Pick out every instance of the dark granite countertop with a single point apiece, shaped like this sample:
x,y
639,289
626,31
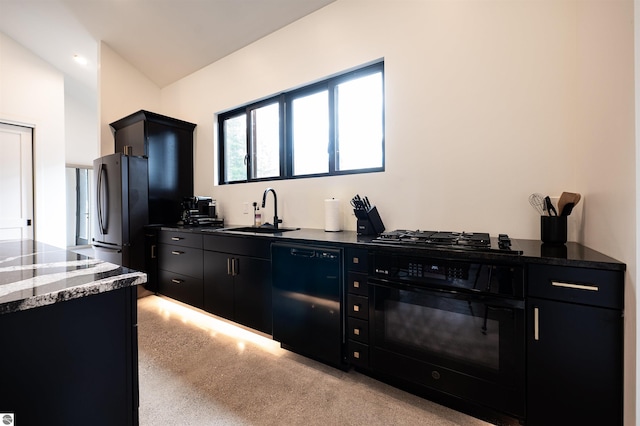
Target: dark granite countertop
x,y
533,251
34,274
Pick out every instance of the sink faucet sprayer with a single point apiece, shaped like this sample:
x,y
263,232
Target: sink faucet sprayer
x,y
276,221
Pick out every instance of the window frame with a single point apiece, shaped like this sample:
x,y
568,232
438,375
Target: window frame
x,y
285,101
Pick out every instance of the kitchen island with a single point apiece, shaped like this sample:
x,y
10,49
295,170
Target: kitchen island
x,y
68,325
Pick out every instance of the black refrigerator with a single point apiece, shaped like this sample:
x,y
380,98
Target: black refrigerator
x,y
121,209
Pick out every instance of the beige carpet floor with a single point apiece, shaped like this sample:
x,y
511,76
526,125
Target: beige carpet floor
x,y
195,369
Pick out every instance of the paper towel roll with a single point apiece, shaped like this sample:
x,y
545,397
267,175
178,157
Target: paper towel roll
x,y
332,215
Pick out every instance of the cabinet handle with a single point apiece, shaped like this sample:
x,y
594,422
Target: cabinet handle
x,y
177,253
356,355
356,260
536,323
575,286
177,281
235,270
356,308
177,238
153,251
356,331
229,266
356,284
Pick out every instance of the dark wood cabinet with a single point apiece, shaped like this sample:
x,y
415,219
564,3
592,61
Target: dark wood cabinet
x,y
357,307
168,144
237,280
574,346
181,266
73,362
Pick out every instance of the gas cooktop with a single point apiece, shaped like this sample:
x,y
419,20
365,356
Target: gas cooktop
x,y
473,241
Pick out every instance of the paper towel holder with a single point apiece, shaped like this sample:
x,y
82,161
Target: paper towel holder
x,y
332,223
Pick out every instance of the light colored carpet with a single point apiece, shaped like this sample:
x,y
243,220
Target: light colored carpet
x,y
195,369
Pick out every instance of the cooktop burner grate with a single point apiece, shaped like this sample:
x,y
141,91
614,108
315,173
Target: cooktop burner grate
x,y
480,241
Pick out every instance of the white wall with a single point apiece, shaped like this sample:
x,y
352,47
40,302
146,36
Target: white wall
x,y
81,125
487,101
122,90
32,92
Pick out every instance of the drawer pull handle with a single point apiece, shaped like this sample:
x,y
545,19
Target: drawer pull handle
x,y
356,355
177,238
356,260
356,331
177,253
356,284
536,323
356,308
575,286
177,281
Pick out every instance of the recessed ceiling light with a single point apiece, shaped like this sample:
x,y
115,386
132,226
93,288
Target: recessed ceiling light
x,y
80,60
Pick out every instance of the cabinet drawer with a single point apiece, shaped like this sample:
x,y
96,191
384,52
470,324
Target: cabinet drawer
x,y
577,285
358,354
181,287
358,330
358,306
183,260
186,239
237,244
357,283
356,260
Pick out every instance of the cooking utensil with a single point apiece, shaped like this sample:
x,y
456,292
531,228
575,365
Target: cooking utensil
x,y
567,209
550,208
537,201
567,198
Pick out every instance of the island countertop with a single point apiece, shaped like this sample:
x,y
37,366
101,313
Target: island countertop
x,y
34,274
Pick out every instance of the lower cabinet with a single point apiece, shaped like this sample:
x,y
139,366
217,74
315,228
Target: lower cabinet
x,y
574,346
180,267
357,308
237,280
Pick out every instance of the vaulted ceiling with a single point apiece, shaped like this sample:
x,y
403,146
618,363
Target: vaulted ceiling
x,y
165,39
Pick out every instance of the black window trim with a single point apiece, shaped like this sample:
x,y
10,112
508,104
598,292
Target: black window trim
x,y
286,155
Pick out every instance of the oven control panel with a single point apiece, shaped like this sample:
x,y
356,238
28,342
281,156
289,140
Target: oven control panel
x,y
447,273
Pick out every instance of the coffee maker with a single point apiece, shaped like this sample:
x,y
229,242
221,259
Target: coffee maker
x,y
200,211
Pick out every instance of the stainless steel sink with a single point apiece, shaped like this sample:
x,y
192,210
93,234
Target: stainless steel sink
x,y
259,229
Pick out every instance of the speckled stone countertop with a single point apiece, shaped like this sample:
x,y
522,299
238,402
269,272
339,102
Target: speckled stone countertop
x,y
34,274
532,251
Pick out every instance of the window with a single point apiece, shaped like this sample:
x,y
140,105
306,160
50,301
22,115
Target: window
x,y
328,128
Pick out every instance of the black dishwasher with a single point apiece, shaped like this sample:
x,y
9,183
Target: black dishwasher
x,y
307,300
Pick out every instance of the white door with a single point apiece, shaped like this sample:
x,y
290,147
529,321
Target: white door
x,y
16,182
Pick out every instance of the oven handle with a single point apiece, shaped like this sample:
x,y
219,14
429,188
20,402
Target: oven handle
x,y
460,294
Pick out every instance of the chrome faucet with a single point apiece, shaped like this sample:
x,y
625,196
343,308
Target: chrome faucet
x,y
276,221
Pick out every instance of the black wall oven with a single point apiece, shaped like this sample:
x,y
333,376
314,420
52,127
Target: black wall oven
x,y
451,326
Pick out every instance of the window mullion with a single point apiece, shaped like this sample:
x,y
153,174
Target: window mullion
x,y
333,127
249,156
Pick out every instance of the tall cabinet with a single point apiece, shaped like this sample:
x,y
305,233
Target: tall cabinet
x,y
168,144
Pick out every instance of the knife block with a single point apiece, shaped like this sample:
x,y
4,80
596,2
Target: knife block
x,y
369,222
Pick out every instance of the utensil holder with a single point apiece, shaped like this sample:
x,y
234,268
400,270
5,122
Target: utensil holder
x,y
553,229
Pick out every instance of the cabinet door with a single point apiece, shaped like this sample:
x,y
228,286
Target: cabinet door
x,y
218,284
133,136
252,288
151,259
575,364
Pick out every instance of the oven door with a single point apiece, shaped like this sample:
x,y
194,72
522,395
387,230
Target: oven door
x,y
466,345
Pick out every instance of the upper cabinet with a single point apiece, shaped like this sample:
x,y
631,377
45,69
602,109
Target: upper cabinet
x,y
168,144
